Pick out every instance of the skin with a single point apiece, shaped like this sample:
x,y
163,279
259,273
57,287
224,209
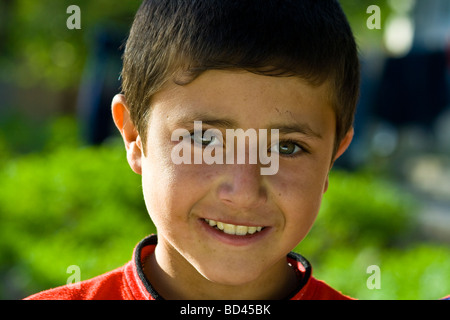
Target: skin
x,y
189,261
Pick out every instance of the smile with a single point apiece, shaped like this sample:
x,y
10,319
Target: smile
x,y
233,229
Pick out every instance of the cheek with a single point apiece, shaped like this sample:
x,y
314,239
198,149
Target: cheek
x,y
158,183
299,196
170,191
301,182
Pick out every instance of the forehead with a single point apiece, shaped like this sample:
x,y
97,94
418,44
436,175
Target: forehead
x,y
246,99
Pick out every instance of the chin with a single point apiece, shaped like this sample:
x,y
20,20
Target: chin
x,y
230,276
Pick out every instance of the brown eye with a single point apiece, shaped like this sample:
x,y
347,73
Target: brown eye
x,y
286,148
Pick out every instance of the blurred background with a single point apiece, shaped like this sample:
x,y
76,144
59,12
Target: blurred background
x,y
68,197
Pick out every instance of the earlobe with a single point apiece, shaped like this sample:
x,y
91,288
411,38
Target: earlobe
x,y
134,156
131,138
344,144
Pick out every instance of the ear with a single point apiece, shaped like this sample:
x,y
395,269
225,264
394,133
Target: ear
x,y
344,144
131,138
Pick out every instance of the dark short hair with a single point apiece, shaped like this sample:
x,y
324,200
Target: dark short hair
x,y
311,39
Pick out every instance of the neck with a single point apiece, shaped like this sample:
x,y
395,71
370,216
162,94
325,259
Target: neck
x,y
174,278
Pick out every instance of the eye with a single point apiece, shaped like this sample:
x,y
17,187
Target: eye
x,y
207,138
288,148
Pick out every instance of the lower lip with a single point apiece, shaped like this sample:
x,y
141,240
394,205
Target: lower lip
x,y
234,240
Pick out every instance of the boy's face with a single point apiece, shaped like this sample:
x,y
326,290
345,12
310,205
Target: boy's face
x,y
181,199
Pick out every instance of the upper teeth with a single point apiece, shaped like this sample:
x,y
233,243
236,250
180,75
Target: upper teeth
x,y
233,229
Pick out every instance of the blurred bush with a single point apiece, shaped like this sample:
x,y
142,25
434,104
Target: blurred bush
x,y
73,205
366,220
362,209
65,206
419,271
43,51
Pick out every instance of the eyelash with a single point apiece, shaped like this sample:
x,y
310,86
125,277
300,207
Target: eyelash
x,y
297,144
191,133
294,155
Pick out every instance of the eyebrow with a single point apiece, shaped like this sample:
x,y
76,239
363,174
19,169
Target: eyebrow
x,y
283,128
206,119
302,128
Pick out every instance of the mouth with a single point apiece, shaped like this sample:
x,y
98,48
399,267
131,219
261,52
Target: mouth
x,y
232,229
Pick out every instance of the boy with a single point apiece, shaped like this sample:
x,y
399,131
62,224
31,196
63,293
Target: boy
x,y
225,230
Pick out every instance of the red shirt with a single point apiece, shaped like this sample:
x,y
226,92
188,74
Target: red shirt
x,y
129,283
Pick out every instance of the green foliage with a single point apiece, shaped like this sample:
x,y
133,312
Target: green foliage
x,y
362,209
421,271
69,206
19,134
40,49
365,220
356,12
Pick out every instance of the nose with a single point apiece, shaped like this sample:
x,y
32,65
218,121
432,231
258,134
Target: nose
x,y
242,188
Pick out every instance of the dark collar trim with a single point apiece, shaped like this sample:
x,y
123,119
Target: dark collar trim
x,y
305,276
149,241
